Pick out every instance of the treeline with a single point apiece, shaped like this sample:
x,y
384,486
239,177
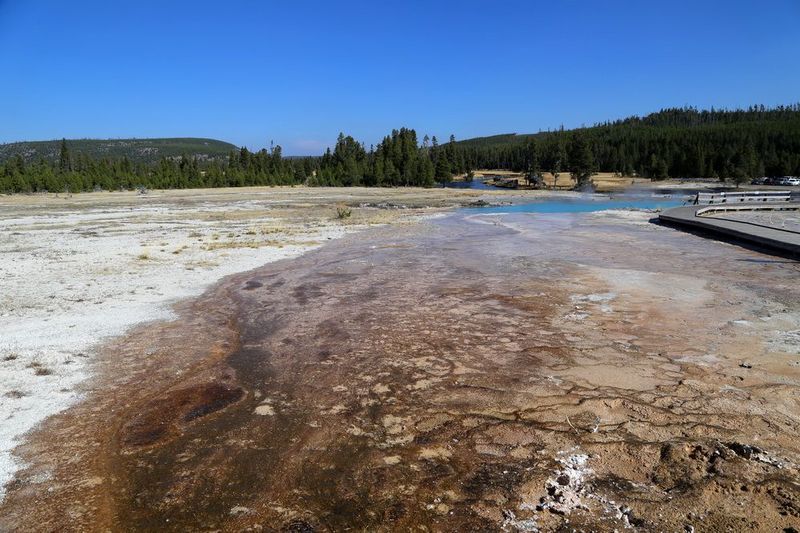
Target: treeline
x,y
682,142
83,173
399,160
723,144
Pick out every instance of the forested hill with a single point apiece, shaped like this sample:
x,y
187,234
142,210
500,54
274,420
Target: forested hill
x,y
135,150
677,142
728,145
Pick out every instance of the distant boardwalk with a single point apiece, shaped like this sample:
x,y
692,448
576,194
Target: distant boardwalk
x,y
774,226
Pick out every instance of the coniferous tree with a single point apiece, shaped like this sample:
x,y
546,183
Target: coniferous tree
x,y
581,160
533,171
64,160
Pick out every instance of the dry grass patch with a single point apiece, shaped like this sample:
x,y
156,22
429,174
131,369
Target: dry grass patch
x,y
39,369
607,181
225,245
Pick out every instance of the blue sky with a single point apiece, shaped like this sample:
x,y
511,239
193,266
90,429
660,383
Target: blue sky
x,y
299,72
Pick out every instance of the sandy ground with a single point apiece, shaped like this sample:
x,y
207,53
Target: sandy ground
x,y
81,268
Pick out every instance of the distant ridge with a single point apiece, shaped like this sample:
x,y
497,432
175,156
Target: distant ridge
x,y
675,117
136,150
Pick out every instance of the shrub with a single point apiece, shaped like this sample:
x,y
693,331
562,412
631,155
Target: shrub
x,y
343,212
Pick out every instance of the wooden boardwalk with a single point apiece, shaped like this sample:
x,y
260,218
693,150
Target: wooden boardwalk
x,y
782,240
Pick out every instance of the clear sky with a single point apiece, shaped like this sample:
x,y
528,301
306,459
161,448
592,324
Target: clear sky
x,y
299,72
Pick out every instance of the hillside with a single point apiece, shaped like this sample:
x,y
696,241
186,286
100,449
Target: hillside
x,y
678,142
495,140
687,117
136,150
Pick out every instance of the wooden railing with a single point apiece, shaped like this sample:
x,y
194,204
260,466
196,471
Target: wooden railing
x,y
742,197
722,208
